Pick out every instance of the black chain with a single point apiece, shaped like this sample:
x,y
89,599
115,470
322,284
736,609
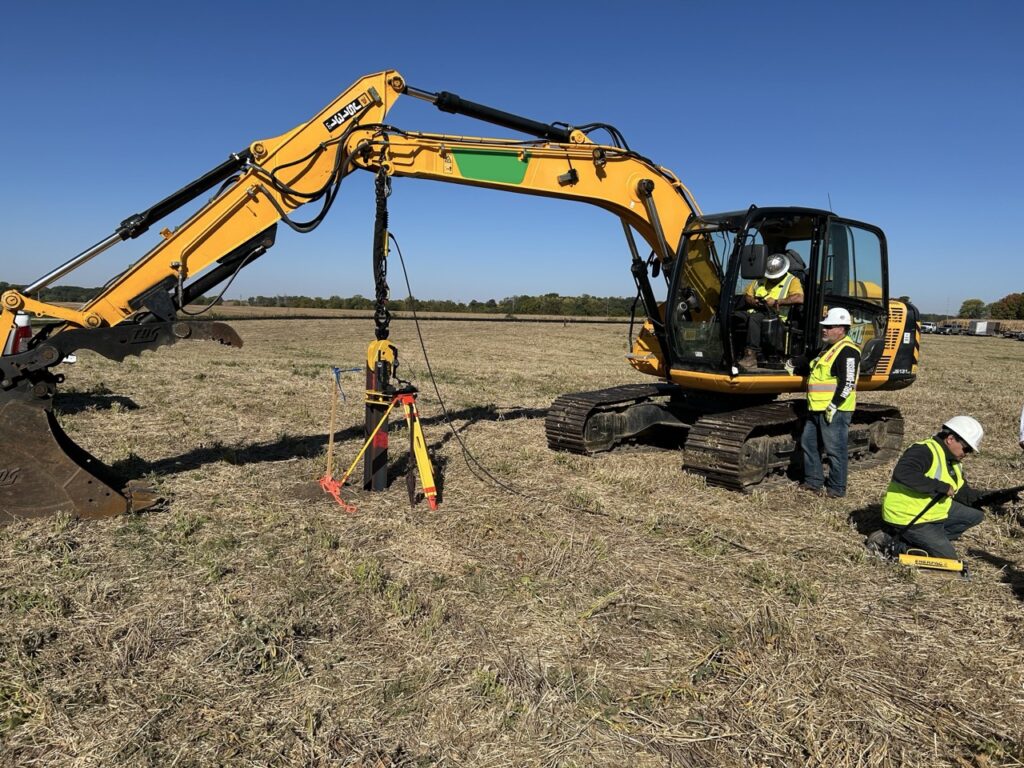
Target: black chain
x,y
381,314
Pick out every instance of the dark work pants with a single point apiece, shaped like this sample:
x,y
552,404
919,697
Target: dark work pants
x,y
817,434
754,320
935,537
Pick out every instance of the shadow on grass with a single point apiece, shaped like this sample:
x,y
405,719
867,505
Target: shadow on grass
x,y
76,402
1012,574
309,446
866,519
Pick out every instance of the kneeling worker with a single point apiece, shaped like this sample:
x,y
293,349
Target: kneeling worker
x,y
928,504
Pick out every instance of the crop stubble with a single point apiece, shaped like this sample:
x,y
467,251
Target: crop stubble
x,y
613,611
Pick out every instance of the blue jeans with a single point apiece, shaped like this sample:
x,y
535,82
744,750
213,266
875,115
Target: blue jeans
x,y
934,538
817,433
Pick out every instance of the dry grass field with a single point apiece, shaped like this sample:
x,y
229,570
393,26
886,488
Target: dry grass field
x,y
605,611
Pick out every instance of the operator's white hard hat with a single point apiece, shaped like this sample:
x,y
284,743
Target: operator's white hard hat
x,y
776,266
837,316
968,429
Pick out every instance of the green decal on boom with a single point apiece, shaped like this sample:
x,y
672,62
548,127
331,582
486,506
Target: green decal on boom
x,y
491,165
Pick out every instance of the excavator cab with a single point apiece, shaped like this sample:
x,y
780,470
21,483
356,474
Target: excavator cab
x,y
838,263
727,419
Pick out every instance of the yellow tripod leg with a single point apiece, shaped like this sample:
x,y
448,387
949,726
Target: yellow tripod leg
x,y
366,443
419,450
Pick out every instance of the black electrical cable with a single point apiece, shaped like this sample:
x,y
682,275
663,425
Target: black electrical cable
x,y
618,139
467,456
632,316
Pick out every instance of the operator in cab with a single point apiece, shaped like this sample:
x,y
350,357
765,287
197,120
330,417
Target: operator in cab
x,y
831,398
928,503
770,296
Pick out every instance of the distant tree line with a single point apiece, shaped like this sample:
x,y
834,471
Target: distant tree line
x,y
1010,307
57,293
546,304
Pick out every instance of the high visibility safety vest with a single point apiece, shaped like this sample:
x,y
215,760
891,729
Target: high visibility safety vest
x,y
779,291
821,384
902,504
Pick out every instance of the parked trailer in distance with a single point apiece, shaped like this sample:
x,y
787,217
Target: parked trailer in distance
x,y
983,328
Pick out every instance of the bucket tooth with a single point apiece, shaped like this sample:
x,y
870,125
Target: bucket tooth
x,y
44,472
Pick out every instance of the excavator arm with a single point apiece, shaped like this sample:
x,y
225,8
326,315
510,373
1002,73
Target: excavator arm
x,y
263,183
273,177
262,186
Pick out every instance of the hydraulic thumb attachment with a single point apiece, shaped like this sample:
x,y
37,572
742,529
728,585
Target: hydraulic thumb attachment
x,y
42,470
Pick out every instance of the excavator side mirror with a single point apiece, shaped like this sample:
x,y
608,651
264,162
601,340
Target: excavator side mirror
x,y
752,261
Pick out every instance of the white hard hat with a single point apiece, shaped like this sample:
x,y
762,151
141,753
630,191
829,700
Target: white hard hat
x,y
837,316
776,266
967,429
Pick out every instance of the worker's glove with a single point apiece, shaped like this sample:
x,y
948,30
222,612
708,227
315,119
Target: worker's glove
x,y
830,412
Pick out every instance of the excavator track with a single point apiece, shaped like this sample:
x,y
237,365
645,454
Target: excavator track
x,y
570,425
740,448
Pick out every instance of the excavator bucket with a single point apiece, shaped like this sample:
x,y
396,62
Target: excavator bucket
x,y
44,472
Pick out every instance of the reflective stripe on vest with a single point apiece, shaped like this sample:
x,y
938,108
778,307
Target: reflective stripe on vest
x,y
821,384
779,291
902,504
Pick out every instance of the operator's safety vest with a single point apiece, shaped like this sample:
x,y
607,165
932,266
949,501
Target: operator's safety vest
x,y
821,384
902,504
779,291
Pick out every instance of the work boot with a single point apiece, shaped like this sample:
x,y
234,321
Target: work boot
x,y
749,359
811,489
880,542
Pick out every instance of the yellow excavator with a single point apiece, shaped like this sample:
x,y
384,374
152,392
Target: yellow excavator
x,y
727,420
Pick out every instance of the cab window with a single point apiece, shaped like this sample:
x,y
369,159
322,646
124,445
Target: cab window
x,y
853,265
852,275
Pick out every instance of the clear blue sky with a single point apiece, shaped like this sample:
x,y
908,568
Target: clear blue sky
x,y
909,115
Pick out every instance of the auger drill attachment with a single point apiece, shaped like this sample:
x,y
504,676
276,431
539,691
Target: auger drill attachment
x,y
42,470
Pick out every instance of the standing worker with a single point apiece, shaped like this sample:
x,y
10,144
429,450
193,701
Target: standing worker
x,y
928,504
831,397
